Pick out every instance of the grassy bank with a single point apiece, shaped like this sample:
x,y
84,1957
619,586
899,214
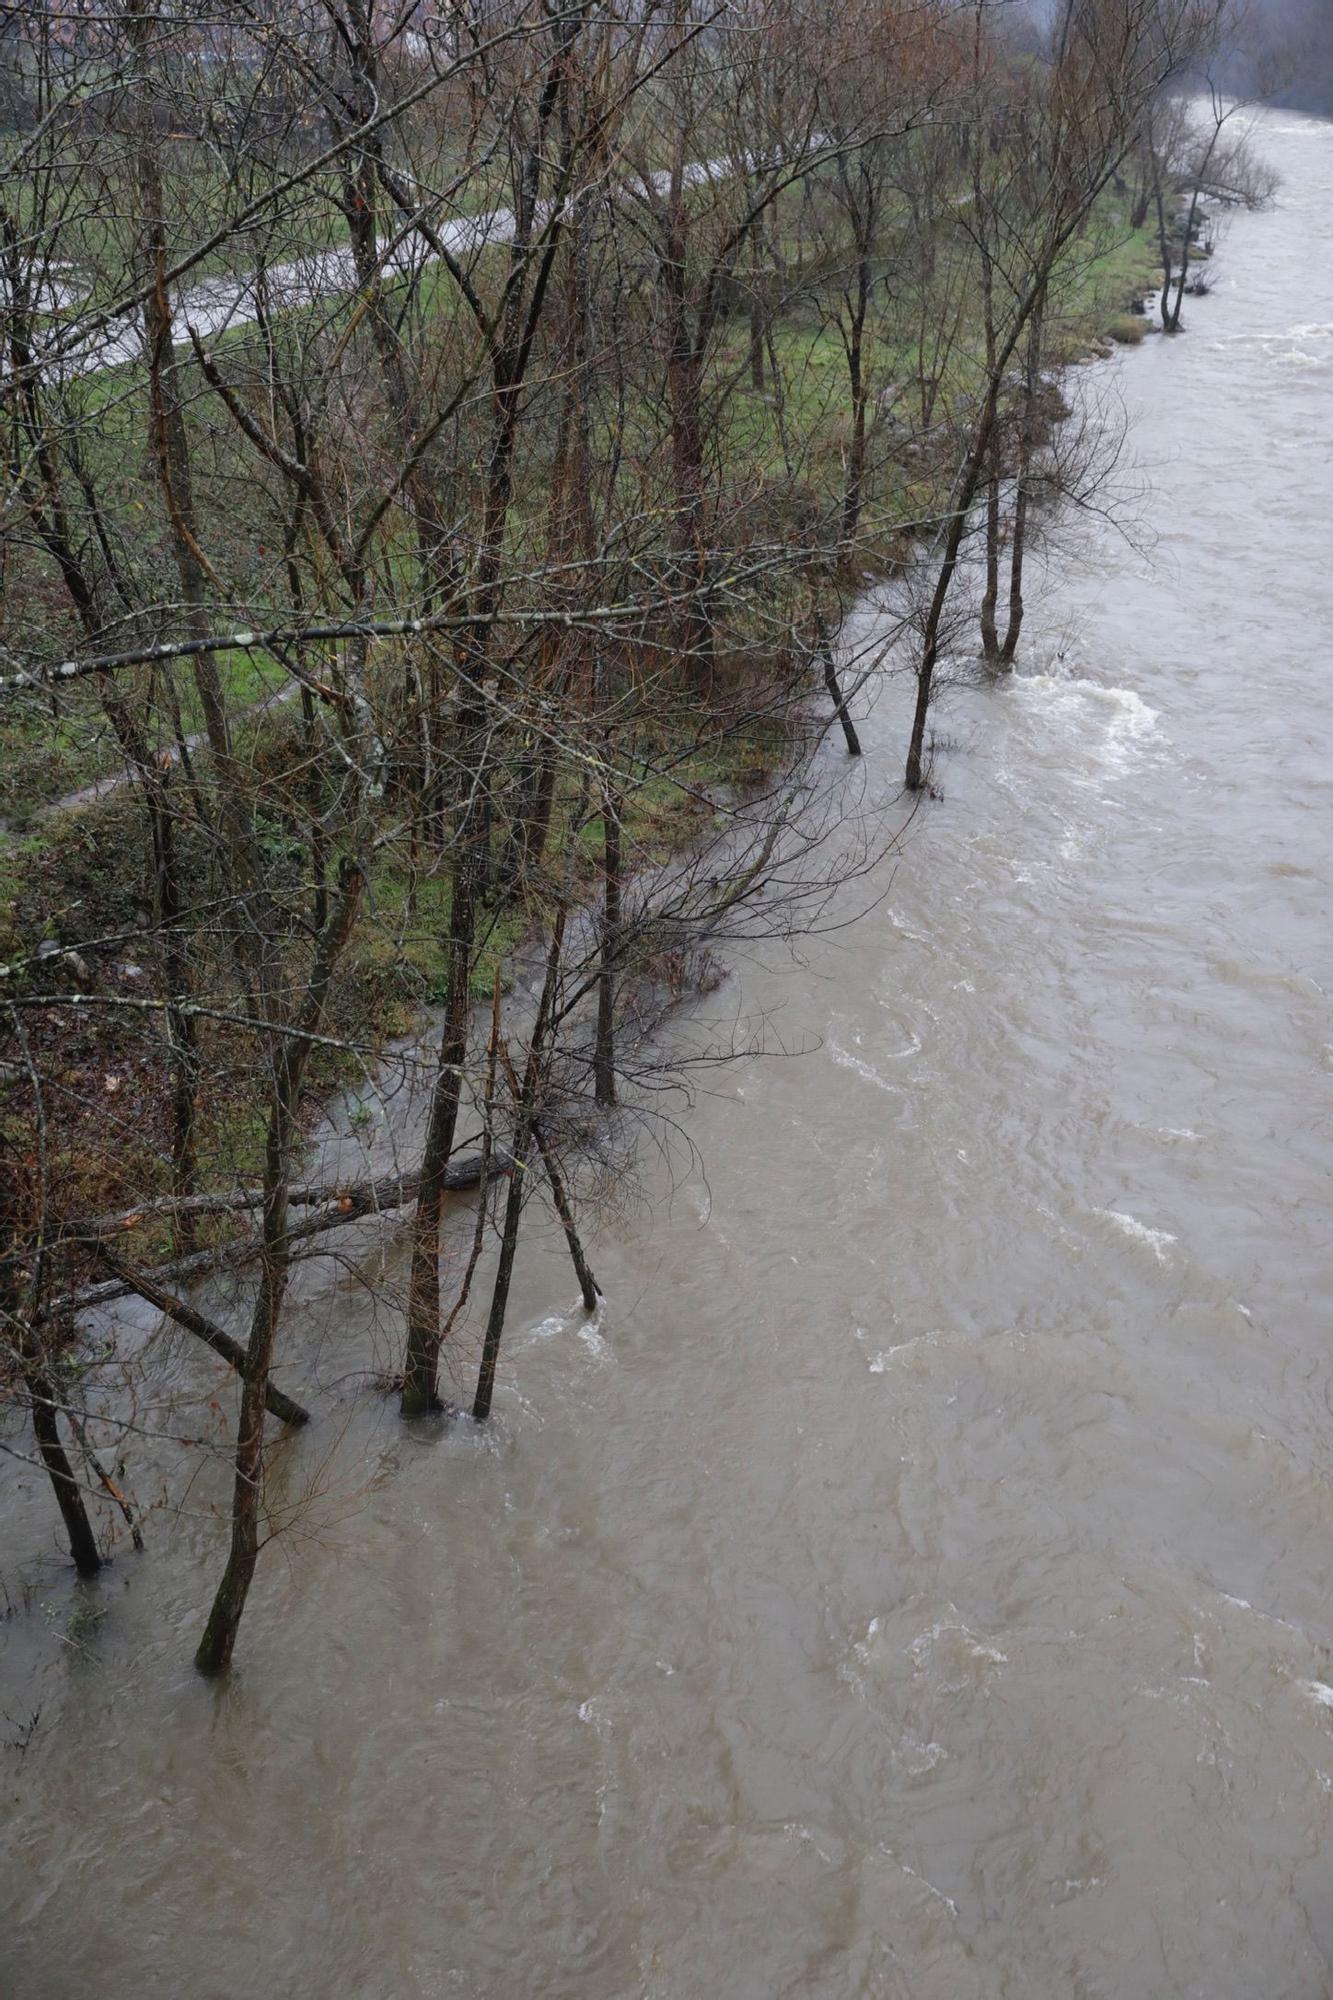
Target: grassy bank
x,y
74,878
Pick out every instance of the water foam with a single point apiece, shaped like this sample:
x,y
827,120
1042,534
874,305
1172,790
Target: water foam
x,y
888,1354
1139,1232
1127,721
588,1331
923,1646
846,1060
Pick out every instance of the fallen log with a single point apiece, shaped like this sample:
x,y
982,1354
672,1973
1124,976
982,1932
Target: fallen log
x,y
145,1286
342,1205
392,1191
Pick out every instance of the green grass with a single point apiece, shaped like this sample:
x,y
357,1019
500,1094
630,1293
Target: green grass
x,y
84,211
45,757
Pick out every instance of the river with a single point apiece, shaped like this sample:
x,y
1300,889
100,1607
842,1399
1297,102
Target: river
x,y
919,1582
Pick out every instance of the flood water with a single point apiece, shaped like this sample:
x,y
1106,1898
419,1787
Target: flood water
x,y
919,1583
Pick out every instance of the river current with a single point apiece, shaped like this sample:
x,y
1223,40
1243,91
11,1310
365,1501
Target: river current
x,y
918,1583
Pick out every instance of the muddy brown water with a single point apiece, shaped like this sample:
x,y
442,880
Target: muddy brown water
x,y
919,1582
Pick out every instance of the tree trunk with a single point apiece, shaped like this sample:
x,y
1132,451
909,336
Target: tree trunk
x,y
288,1065
182,1043
588,1285
219,1637
511,350
966,492
854,490
504,1270
684,370
694,623
169,445
914,776
834,687
526,1109
604,1056
69,1495
1163,249
990,638
991,458
1027,445
420,1394
757,314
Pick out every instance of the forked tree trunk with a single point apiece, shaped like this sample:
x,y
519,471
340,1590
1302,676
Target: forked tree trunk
x,y
510,352
526,1109
914,775
1163,249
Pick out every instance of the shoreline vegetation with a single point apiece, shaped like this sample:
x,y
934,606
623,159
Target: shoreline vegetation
x,y
551,539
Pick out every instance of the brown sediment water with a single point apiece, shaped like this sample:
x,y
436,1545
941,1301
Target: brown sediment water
x,y
919,1579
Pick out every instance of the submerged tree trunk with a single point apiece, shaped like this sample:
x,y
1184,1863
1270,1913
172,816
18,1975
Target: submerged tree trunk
x,y
932,632
834,686
990,638
510,346
588,1285
47,1431
288,1065
420,1393
990,642
69,1496
526,1110
219,1637
999,354
1172,325
504,1271
1163,245
604,1055
17,1314
1027,445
